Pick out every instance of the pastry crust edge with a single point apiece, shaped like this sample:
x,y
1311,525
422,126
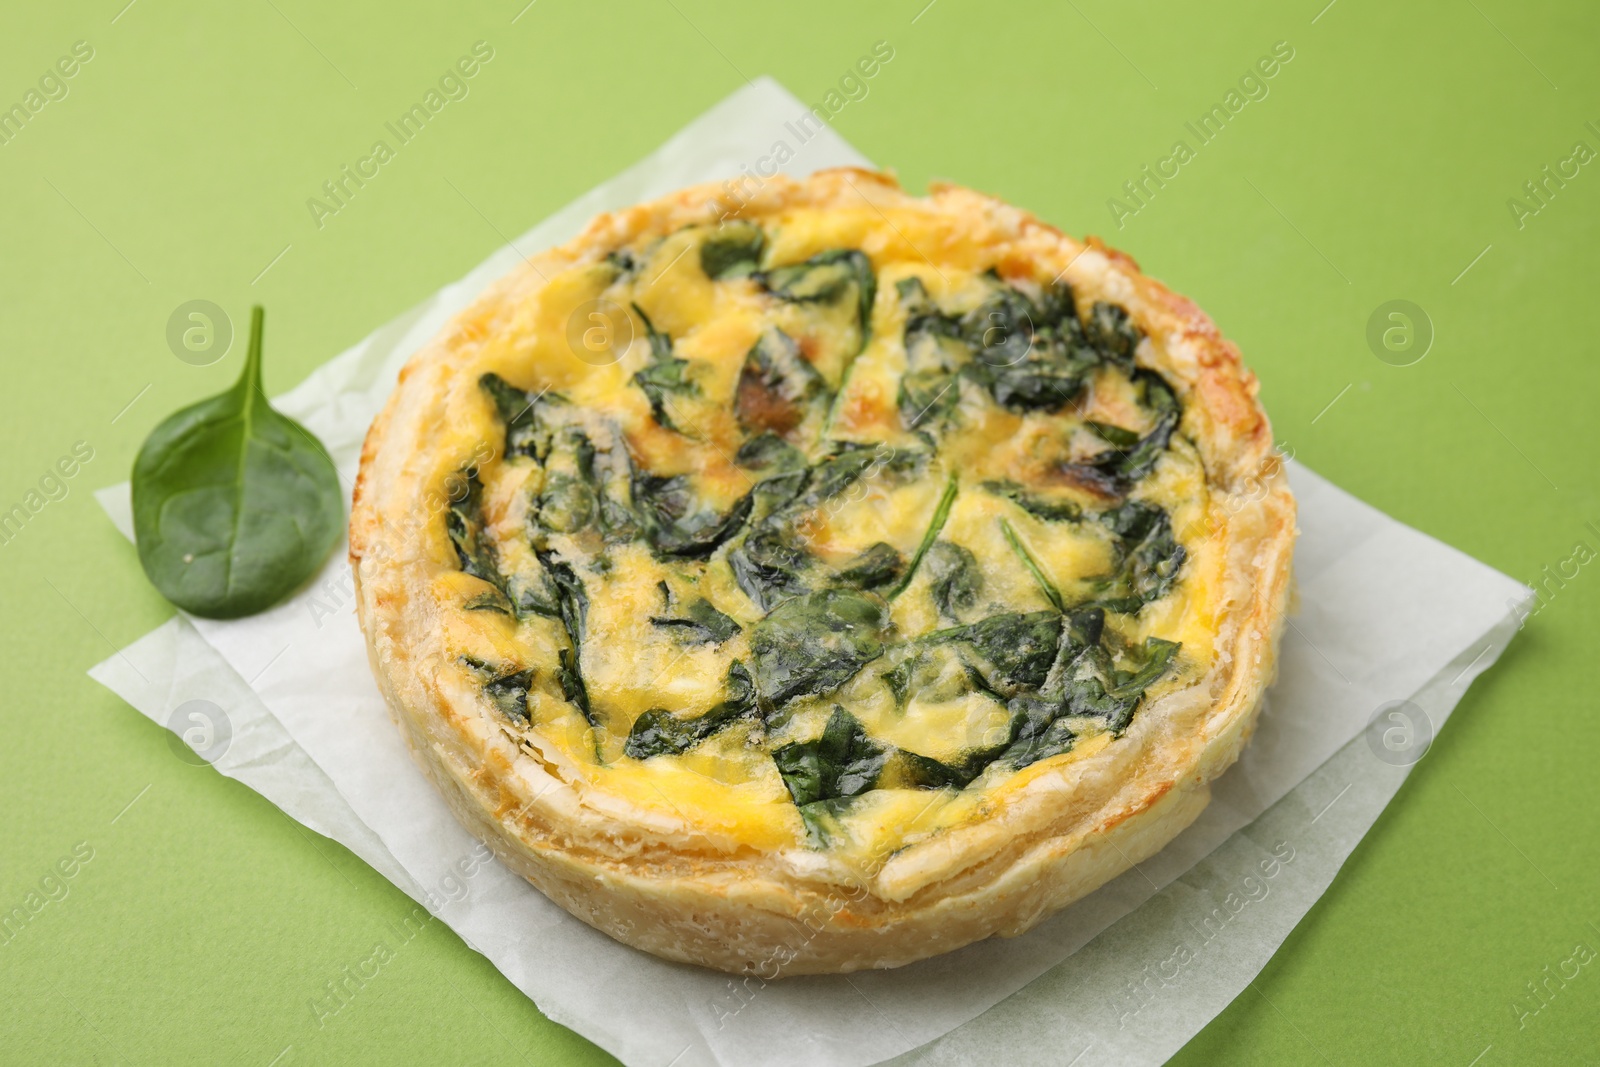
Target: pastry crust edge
x,y
1069,829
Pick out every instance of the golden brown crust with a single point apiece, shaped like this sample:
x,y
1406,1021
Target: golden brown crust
x,y
682,892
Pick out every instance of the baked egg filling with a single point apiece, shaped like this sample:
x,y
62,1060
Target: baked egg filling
x,y
819,543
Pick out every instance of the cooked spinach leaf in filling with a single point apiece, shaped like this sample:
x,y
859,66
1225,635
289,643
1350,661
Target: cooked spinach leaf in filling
x,y
838,545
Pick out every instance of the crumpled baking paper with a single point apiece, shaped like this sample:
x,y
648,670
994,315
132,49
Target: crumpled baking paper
x,y
285,703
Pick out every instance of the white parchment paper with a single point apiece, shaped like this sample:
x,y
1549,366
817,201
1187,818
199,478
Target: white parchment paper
x,y
1129,973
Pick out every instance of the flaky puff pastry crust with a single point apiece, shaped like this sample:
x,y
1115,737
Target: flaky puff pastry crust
x,y
666,886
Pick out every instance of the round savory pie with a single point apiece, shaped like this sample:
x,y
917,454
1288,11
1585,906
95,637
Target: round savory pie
x,y
821,577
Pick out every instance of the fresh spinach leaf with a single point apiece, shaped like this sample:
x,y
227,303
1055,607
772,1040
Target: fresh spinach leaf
x,y
700,624
658,732
732,250
234,504
814,643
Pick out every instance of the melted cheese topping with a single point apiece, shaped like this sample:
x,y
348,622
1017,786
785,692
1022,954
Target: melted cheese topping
x,y
1017,469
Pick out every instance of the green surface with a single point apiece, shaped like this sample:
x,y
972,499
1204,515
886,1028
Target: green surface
x,y
1378,168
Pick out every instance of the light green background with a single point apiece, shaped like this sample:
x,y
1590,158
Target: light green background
x,y
1378,168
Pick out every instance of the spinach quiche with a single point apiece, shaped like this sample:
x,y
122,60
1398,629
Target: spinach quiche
x,y
827,579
